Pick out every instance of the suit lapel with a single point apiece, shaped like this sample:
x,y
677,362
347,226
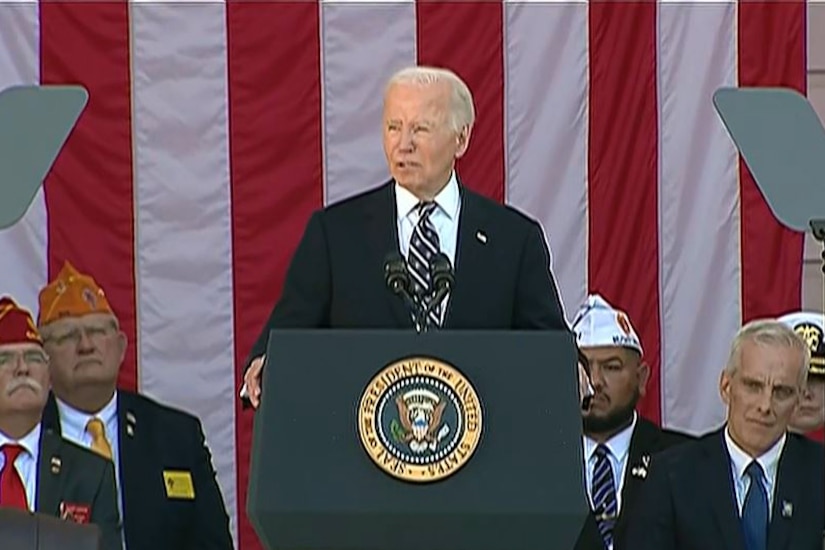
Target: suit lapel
x,y
50,476
789,489
469,258
132,479
378,219
719,484
638,462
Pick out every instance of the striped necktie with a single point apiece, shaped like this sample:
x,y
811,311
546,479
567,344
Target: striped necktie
x,y
605,506
424,246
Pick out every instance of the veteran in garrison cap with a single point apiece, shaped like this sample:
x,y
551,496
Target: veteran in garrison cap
x,y
618,443
167,487
40,471
810,415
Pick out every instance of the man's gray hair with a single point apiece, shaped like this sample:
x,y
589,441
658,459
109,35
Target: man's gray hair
x,y
769,332
462,110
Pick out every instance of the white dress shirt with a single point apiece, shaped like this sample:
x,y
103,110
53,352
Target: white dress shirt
x,y
73,427
444,219
739,461
619,450
26,462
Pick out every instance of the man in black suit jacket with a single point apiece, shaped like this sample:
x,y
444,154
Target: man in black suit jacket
x,y
40,471
750,485
618,376
502,263
168,489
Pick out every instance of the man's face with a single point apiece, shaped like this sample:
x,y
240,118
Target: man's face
x,y
85,350
24,378
420,144
810,414
761,395
618,378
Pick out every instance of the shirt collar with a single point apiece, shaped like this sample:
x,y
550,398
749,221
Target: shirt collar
x,y
30,441
448,199
769,460
76,420
618,445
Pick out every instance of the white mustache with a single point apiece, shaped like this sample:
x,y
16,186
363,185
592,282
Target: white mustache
x,y
18,383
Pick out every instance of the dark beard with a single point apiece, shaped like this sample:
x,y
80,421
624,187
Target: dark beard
x,y
612,423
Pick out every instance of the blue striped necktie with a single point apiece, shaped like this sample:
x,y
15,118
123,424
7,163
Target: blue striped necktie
x,y
424,246
603,491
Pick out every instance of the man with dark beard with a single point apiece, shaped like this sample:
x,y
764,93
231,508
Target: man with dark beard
x,y
618,443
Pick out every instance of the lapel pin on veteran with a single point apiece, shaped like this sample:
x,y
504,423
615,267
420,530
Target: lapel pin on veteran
x,y
787,509
481,236
56,463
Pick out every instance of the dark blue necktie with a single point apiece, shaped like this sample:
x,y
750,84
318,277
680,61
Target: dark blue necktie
x,y
755,510
605,505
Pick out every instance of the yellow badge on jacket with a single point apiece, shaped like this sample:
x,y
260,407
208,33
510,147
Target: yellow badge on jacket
x,y
178,484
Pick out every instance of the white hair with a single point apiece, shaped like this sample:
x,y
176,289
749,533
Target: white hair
x,y
773,333
462,110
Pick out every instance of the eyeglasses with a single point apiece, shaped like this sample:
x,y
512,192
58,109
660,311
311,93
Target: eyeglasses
x,y
93,333
30,357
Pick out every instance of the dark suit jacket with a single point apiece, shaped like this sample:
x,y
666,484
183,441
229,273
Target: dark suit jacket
x,y
336,276
154,438
647,440
689,503
70,474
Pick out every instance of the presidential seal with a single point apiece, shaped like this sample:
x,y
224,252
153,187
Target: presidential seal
x,y
420,420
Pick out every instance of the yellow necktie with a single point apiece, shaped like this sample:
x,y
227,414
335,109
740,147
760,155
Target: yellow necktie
x,y
99,442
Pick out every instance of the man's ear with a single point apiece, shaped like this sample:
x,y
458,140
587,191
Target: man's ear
x,y
463,141
724,387
644,376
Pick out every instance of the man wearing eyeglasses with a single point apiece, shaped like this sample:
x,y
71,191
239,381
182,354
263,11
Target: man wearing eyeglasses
x,y
167,488
39,470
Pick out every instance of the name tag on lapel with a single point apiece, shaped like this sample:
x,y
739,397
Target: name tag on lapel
x,y
178,484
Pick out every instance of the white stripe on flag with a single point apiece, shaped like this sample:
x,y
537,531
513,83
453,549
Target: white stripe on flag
x,y
699,212
361,46
23,246
184,254
546,83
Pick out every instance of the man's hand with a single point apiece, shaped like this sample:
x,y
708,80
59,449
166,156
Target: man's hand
x,y
252,380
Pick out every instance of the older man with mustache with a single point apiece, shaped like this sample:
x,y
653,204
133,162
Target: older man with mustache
x,y
40,471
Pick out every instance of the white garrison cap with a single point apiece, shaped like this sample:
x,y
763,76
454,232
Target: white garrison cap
x,y
597,323
811,327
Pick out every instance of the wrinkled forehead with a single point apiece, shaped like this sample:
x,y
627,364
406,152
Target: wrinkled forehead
x,y
22,347
772,363
67,324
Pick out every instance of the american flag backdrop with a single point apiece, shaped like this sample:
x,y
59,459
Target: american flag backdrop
x,y
214,129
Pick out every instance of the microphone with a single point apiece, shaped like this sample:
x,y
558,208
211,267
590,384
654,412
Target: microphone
x,y
443,279
397,279
584,364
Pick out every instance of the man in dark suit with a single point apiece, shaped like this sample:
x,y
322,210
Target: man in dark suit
x,y
40,471
502,264
750,485
168,492
618,443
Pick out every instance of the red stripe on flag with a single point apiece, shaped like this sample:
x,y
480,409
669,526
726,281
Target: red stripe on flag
x,y
467,37
275,146
772,46
88,192
623,258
